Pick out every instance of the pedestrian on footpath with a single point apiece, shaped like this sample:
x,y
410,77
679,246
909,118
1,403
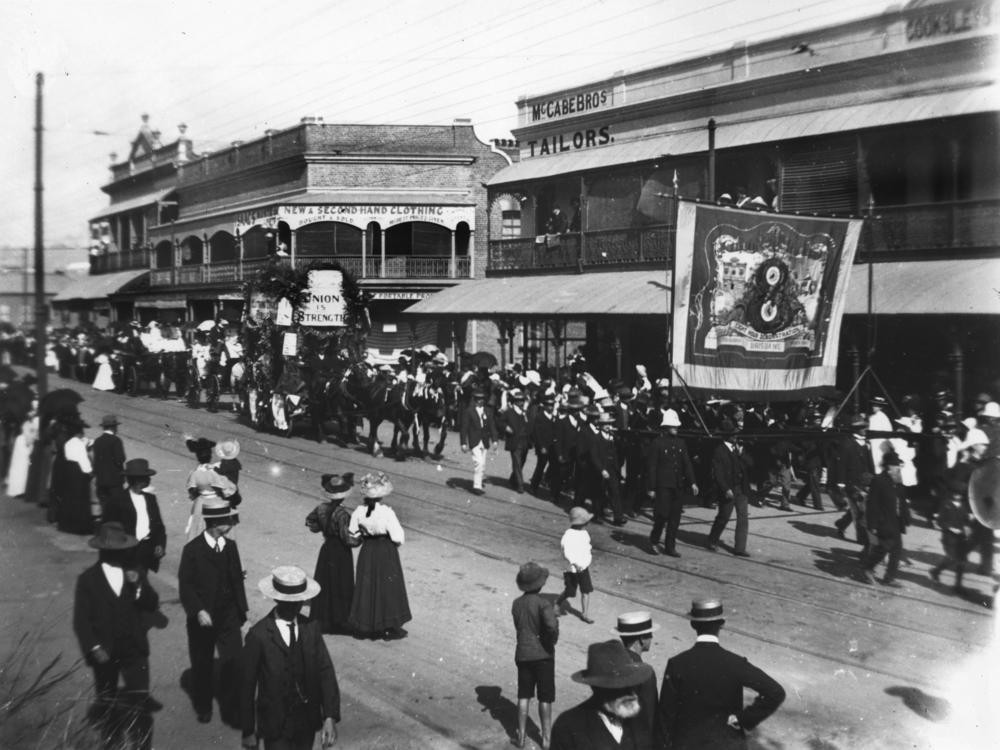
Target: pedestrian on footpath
x,y
210,580
76,511
887,516
608,719
636,631
669,474
109,460
701,700
228,465
335,564
137,510
729,472
477,431
204,483
288,684
111,597
535,655
380,606
577,550
953,518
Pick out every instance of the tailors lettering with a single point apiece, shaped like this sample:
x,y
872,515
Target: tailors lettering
x,y
571,141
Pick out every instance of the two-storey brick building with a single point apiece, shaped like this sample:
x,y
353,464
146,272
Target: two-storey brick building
x,y
893,118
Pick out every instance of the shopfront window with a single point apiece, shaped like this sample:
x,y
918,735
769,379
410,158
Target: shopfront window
x,y
418,238
324,238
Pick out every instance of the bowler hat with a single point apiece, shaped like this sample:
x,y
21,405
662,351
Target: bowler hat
x,y
109,420
579,516
610,666
635,623
112,535
706,610
138,467
288,583
337,486
531,576
375,485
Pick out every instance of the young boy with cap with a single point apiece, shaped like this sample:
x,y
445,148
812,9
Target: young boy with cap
x,y
537,632
577,550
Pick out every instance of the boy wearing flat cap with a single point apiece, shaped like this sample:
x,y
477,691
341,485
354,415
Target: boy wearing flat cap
x,y
289,686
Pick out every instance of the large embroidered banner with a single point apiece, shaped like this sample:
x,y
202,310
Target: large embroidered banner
x,y
758,300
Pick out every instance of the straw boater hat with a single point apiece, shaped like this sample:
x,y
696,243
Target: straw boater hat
x,y
706,610
216,507
531,576
579,516
337,486
138,467
288,583
605,418
112,535
670,419
610,666
635,623
228,449
879,401
375,485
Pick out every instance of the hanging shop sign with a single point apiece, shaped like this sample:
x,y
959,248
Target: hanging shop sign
x,y
324,305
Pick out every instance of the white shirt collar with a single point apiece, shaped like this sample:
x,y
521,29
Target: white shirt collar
x,y
210,540
617,730
707,639
115,577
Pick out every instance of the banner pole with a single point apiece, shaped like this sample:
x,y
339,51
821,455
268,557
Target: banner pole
x,y
670,290
691,401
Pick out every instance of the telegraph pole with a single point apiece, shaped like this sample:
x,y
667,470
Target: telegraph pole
x,y
41,309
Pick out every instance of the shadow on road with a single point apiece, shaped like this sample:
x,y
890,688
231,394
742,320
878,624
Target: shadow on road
x,y
922,704
839,562
814,529
502,709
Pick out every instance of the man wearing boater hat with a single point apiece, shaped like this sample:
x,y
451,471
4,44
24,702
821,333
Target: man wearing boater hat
x,y
636,631
210,580
288,688
701,700
608,719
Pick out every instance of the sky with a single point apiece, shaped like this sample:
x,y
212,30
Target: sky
x,y
231,69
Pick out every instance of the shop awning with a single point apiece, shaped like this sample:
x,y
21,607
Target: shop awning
x,y
762,126
99,286
162,303
569,296
140,202
947,287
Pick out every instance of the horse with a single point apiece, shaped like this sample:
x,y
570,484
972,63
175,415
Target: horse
x,y
331,401
383,400
435,402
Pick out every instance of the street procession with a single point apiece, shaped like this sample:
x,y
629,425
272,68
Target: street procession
x,y
657,411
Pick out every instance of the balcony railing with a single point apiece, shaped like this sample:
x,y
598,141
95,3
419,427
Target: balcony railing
x,y
395,267
128,260
931,229
608,247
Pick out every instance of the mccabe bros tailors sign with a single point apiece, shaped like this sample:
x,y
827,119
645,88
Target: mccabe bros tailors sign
x,y
759,299
574,104
360,216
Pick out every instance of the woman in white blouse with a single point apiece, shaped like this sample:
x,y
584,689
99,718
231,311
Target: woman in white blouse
x,y
380,606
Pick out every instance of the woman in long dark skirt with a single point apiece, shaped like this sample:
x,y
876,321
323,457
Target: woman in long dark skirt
x,y
380,606
71,475
335,564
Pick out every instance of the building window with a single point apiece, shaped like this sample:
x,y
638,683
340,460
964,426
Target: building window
x,y
324,238
510,224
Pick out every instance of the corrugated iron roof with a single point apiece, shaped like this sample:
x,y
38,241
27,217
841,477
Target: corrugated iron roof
x,y
926,287
98,286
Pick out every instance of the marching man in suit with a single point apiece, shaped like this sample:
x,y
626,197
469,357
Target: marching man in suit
x,y
477,431
543,436
289,686
669,473
139,513
517,436
729,472
701,700
210,579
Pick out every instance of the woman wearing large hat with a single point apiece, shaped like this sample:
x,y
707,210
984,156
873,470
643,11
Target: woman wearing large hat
x,y
335,564
380,606
75,511
204,482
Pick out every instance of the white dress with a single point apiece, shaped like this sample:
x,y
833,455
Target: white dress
x,y
103,381
17,474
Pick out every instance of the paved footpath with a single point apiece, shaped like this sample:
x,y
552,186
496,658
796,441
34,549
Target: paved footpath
x,y
863,666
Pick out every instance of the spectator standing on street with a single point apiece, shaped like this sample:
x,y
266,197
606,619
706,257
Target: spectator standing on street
x,y
729,472
71,475
577,550
228,465
535,655
636,631
109,460
210,580
136,509
204,483
701,700
608,720
335,564
887,517
953,518
669,474
477,430
288,684
380,606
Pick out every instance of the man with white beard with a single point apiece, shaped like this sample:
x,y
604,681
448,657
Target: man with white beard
x,y
701,700
606,720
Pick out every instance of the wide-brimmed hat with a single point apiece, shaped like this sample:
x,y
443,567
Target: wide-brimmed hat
x,y
531,576
337,486
199,445
515,394
878,401
112,535
635,623
375,485
138,467
609,665
605,418
288,583
579,516
706,610
974,437
216,507
73,422
991,410
109,420
670,419
228,449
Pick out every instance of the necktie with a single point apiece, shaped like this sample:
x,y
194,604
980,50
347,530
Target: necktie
x,y
291,633
218,545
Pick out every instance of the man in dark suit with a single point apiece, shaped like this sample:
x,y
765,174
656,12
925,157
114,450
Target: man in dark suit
x,y
608,720
210,579
111,596
886,517
109,460
669,473
477,430
602,481
567,434
636,631
848,476
139,513
543,437
701,699
517,436
288,688
729,472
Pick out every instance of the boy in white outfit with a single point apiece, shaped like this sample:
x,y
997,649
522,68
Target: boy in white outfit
x,y
576,549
